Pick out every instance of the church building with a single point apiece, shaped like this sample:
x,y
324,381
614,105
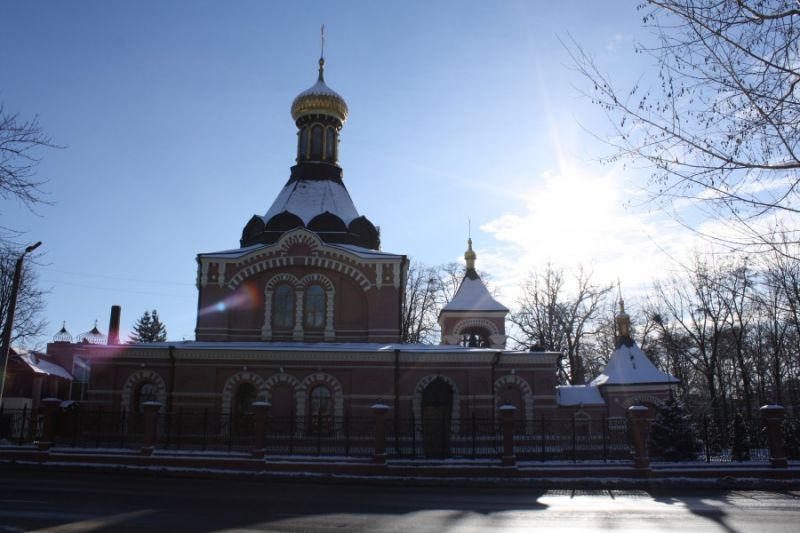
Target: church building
x,y
306,313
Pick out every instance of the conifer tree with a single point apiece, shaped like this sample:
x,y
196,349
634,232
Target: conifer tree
x,y
671,436
148,328
741,439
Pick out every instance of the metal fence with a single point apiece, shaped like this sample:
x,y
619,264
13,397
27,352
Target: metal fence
x,y
542,439
725,440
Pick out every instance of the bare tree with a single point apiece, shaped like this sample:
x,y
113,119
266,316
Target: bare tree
x,y
719,125
420,305
28,323
20,143
554,319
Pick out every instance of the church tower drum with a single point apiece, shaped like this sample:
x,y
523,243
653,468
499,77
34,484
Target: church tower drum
x,y
315,196
310,269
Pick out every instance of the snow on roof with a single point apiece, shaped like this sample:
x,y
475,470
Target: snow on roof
x,y
309,198
472,295
365,253
629,365
317,346
319,88
579,395
41,366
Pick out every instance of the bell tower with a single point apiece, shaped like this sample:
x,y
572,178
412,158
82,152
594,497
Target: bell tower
x,y
473,318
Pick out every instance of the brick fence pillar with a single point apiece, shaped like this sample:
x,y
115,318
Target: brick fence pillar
x,y
379,412
507,420
260,412
773,417
640,425
150,426
50,411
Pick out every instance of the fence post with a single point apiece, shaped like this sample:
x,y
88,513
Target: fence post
x,y
773,416
507,416
379,413
150,422
260,411
122,428
50,411
22,424
641,432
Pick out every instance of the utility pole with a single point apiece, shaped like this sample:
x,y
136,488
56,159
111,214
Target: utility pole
x,y
12,304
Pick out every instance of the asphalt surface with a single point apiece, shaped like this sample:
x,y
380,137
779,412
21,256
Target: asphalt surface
x,y
61,501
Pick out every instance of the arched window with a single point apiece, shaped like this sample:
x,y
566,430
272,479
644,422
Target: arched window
x,y
146,392
330,140
316,142
243,399
283,307
302,146
314,306
321,408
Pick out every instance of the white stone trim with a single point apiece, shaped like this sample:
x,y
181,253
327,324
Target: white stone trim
x,y
266,328
476,322
241,377
322,378
136,379
330,293
635,400
298,390
523,386
455,416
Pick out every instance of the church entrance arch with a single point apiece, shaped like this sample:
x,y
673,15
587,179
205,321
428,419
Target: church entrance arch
x,y
437,409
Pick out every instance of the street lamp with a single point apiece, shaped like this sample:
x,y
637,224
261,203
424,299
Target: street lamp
x,y
12,304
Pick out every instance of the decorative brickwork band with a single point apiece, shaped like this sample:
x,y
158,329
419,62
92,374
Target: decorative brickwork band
x,y
773,417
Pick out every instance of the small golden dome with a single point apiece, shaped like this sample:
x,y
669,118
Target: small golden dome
x,y
470,256
319,99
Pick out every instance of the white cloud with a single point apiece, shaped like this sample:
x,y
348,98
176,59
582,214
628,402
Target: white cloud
x,y
575,217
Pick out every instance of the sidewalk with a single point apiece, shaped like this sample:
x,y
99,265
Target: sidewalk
x,y
407,471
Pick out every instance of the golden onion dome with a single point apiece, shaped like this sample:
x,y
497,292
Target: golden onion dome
x,y
470,256
319,99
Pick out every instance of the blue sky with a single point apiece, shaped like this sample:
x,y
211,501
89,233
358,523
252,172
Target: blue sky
x,y
176,126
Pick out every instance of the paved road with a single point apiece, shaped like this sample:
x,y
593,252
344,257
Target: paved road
x,y
58,501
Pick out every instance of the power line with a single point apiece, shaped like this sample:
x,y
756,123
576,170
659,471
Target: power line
x,y
115,289
103,276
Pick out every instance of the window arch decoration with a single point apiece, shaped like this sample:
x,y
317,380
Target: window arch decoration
x,y
262,262
139,378
269,289
314,307
476,322
322,281
229,390
322,378
637,400
297,388
521,385
417,401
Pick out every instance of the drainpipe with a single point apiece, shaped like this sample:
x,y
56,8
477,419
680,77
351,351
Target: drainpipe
x,y
171,377
402,297
396,399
